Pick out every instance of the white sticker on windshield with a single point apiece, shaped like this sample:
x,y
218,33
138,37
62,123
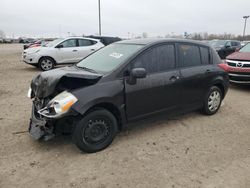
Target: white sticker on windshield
x,y
116,55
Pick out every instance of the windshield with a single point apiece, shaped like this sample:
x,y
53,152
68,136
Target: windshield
x,y
218,43
246,48
109,57
52,43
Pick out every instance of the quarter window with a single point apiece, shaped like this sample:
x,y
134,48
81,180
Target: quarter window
x,y
205,55
158,59
189,55
69,43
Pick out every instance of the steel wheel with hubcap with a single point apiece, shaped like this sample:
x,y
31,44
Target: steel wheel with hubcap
x,y
46,63
95,131
212,101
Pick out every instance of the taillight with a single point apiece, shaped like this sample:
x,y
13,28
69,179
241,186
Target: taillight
x,y
223,66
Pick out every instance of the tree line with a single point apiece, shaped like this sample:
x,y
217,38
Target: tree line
x,y
225,36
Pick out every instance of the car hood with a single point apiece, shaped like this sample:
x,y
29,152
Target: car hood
x,y
66,78
244,56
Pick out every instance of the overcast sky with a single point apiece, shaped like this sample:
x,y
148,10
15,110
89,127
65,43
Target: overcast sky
x,y
55,18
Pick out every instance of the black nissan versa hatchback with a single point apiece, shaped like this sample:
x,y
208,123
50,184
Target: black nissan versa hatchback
x,y
122,82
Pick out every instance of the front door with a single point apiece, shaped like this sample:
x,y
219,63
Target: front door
x,y
160,90
68,52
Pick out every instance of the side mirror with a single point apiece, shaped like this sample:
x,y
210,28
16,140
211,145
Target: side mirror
x,y
138,73
227,46
59,46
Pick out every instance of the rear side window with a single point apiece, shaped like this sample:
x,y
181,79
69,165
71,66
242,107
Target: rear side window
x,y
189,55
205,56
157,59
84,42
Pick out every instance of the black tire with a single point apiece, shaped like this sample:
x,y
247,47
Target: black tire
x,y
50,63
95,131
210,106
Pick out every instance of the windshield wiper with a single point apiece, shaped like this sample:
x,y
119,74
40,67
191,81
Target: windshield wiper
x,y
87,69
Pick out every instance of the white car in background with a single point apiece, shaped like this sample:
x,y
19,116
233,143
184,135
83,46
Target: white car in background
x,y
61,51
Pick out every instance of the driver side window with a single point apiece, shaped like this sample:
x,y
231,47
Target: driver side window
x,y
158,59
69,43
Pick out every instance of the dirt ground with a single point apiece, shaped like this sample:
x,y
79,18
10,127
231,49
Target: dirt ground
x,y
191,150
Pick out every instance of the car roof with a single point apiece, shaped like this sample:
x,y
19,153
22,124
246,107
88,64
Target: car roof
x,y
102,37
152,41
81,38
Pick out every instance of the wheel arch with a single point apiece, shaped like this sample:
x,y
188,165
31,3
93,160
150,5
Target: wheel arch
x,y
109,107
46,56
221,83
222,88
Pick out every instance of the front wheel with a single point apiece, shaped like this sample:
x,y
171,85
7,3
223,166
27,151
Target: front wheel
x,y
95,131
46,63
212,101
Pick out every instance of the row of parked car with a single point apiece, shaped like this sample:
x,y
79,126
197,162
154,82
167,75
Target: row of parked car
x,y
46,55
236,57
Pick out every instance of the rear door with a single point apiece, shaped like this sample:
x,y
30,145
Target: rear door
x,y
196,71
160,90
68,53
86,47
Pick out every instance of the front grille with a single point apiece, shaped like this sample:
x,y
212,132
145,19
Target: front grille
x,y
239,76
238,64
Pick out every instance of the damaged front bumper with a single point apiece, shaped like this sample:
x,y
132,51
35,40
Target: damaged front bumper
x,y
40,127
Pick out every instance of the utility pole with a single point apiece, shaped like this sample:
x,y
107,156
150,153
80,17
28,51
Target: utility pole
x,y
100,25
245,24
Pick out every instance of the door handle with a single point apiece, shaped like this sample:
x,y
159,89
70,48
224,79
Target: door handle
x,y
174,78
74,50
92,49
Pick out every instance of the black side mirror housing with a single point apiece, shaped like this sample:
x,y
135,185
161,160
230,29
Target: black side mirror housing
x,y
135,74
138,73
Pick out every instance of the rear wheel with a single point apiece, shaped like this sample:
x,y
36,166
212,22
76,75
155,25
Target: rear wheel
x,y
95,131
212,101
46,63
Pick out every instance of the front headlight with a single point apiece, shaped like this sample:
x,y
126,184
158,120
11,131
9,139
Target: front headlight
x,y
58,105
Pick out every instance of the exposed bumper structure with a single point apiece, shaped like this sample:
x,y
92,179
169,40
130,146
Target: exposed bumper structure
x,y
39,128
